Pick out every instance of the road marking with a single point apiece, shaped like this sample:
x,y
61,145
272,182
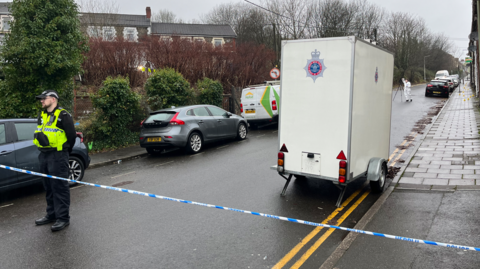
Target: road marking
x,y
315,231
403,151
6,205
275,131
396,150
260,136
164,163
324,237
124,174
223,147
77,187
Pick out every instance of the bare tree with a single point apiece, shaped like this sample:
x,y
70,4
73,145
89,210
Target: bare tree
x,y
165,16
229,14
292,17
97,14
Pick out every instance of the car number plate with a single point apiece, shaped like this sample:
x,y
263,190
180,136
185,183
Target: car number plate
x,y
437,92
248,111
154,139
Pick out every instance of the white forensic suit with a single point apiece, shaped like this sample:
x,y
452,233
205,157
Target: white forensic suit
x,y
407,90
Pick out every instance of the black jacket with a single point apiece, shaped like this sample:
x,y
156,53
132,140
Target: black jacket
x,y
64,122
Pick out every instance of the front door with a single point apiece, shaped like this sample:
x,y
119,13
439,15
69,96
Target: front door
x,y
7,158
206,123
225,125
26,152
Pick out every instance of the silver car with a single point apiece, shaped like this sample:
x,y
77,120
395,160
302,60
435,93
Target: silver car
x,y
190,127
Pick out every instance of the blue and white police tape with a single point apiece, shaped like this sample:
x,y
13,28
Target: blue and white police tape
x,y
420,241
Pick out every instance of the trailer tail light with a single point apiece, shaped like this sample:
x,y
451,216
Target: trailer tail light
x,y
175,121
241,108
274,105
281,162
342,170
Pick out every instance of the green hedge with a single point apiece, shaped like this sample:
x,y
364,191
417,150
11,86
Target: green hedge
x,y
210,92
116,107
166,88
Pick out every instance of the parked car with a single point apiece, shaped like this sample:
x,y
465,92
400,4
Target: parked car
x,y
437,88
190,127
259,103
449,81
17,150
442,74
455,82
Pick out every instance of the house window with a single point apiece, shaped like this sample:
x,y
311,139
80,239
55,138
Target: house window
x,y
130,35
108,34
6,24
198,39
217,42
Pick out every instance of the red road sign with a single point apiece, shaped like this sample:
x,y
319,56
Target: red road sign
x,y
275,73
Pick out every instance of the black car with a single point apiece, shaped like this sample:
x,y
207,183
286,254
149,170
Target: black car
x,y
17,150
437,88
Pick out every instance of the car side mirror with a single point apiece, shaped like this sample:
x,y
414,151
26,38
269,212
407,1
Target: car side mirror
x,y
229,114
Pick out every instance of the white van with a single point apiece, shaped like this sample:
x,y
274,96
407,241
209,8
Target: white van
x,y
442,74
259,104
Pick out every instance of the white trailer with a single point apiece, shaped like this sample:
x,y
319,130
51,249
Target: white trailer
x,y
335,110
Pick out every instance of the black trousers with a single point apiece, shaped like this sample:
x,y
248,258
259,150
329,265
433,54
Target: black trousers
x,y
55,163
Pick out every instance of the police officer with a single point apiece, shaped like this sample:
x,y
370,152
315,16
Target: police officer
x,y
55,137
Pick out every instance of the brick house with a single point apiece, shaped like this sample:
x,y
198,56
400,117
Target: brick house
x,y
216,34
109,25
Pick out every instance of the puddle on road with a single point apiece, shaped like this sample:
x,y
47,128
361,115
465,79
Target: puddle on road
x,y
122,183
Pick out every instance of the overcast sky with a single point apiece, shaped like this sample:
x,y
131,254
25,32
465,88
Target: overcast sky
x,y
450,17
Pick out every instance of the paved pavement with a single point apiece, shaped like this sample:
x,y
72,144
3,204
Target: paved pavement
x,y
434,197
450,153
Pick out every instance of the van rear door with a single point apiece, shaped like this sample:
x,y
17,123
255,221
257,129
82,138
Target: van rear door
x,y
249,103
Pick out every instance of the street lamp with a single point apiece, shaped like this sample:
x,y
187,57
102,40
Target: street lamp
x,y
424,77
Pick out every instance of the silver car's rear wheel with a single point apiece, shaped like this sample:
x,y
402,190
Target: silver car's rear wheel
x,y
76,170
194,143
242,131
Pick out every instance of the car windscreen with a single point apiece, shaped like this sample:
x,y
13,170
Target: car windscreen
x,y
437,83
160,116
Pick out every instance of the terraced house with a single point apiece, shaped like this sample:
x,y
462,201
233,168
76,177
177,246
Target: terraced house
x,y
133,27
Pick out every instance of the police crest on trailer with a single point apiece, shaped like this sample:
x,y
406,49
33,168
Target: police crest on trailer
x,y
376,75
315,66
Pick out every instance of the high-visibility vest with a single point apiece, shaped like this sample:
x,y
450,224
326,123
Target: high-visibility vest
x,y
56,136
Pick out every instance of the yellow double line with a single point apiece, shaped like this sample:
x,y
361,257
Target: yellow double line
x,y
313,233
290,255
414,134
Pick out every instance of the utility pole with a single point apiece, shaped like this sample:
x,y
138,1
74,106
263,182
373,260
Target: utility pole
x,y
275,42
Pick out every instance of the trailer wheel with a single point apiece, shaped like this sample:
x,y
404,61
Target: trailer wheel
x,y
379,185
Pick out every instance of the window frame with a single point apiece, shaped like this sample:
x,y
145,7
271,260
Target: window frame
x,y
17,139
5,132
211,112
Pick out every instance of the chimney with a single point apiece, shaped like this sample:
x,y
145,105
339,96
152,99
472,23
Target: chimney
x,y
149,13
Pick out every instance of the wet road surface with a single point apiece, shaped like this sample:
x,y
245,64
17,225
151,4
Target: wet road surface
x,y
116,230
